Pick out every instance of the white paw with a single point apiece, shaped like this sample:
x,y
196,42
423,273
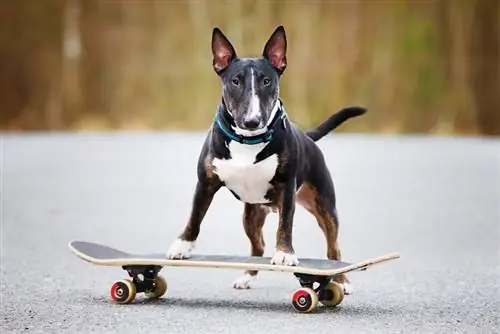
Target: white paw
x,y
243,282
287,259
180,249
348,288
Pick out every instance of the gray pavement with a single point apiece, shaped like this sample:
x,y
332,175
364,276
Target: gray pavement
x,y
434,200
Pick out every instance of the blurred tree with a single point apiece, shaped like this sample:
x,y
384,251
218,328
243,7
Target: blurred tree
x,y
419,66
30,63
485,69
92,67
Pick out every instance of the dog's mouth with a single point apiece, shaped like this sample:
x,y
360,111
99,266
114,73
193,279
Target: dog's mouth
x,y
242,131
249,129
257,126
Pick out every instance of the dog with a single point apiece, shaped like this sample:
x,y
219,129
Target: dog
x,y
264,159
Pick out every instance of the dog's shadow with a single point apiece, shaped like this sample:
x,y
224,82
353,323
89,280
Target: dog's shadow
x,y
346,309
204,303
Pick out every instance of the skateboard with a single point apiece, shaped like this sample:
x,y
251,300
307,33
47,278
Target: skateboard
x,y
314,275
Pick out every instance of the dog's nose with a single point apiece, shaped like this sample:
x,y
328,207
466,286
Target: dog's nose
x,y
251,123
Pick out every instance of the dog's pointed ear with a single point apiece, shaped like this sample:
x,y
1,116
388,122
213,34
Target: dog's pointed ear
x,y
222,51
275,49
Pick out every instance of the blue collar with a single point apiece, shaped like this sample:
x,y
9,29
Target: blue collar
x,y
253,140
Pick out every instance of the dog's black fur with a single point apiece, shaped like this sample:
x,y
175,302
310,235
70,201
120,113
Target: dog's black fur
x,y
301,175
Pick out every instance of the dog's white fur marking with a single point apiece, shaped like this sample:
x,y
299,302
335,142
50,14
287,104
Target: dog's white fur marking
x,y
254,105
348,288
282,258
276,107
180,249
249,180
243,282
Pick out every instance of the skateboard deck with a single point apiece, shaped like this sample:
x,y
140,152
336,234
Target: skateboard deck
x,y
144,268
107,256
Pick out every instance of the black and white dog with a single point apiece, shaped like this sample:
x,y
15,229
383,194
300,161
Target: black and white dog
x,y
263,158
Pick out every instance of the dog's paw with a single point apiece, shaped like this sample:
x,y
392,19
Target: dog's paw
x,y
243,282
348,288
282,258
180,249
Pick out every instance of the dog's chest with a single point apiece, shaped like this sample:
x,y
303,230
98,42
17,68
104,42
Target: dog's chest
x,y
247,179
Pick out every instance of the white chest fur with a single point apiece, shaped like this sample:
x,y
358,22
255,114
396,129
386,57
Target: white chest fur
x,y
249,180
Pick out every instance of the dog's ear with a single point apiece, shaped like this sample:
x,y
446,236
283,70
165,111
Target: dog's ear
x,y
275,49
222,50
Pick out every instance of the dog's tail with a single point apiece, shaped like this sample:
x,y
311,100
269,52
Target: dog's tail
x,y
334,121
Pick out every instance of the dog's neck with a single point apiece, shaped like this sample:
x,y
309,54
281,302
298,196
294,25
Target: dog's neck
x,y
225,122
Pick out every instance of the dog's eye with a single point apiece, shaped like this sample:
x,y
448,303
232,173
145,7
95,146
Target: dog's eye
x,y
267,82
236,81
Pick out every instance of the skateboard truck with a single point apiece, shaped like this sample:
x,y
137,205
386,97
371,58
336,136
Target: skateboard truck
x,y
144,279
143,276
327,292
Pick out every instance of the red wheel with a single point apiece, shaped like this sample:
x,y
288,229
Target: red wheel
x,y
304,300
123,291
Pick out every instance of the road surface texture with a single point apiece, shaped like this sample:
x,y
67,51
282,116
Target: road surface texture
x,y
434,200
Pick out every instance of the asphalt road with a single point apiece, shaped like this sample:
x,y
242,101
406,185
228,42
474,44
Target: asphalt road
x,y
434,200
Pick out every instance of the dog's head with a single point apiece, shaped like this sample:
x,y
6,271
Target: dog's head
x,y
250,86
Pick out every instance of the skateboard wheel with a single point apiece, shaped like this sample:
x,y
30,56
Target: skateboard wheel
x,y
160,288
123,291
304,300
332,295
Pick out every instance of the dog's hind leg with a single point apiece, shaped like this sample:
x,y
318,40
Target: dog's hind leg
x,y
254,217
320,202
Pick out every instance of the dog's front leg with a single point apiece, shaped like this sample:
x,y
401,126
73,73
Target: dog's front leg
x,y
185,243
284,254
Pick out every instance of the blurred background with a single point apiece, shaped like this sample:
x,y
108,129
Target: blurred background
x,y
422,66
